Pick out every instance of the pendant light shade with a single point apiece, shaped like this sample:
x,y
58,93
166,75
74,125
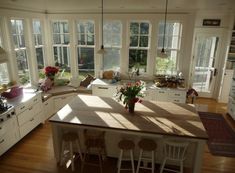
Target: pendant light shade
x,y
3,55
102,50
163,53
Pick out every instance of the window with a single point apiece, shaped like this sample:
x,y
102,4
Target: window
x,y
85,48
17,30
112,44
37,34
61,47
139,45
168,66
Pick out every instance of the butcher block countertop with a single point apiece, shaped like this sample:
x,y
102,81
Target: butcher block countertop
x,y
163,118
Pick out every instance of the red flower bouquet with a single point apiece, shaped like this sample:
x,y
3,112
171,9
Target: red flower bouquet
x,y
51,71
130,94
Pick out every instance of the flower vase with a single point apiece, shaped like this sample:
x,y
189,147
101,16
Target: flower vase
x,y
131,106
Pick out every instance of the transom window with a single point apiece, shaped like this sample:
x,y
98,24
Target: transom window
x,y
85,47
17,29
168,66
112,44
139,45
61,47
39,47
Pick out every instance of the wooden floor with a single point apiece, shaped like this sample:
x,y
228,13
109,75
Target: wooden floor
x,y
34,153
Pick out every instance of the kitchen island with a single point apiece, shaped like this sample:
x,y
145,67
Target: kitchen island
x,y
155,120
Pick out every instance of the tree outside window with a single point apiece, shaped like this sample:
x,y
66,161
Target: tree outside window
x,y
139,45
85,47
61,47
17,30
112,44
168,66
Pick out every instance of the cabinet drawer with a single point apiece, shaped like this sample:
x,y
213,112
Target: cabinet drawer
x,y
48,108
29,113
104,91
177,94
176,100
161,95
30,125
61,101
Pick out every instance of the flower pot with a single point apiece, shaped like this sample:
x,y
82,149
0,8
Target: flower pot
x,y
131,106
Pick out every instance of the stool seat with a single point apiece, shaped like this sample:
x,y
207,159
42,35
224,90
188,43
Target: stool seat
x,y
147,144
126,144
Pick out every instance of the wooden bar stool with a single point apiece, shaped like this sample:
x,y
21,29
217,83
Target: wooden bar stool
x,y
174,150
146,146
125,146
67,148
95,145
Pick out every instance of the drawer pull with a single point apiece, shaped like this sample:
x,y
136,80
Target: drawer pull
x,y
32,119
103,88
2,141
177,94
46,104
63,98
22,107
0,128
31,108
35,100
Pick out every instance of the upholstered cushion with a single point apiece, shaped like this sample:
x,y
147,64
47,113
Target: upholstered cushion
x,y
85,82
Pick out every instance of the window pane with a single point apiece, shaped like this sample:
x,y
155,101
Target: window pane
x,y
90,27
144,28
137,60
39,55
143,41
4,78
85,61
86,33
112,59
90,39
39,36
15,41
66,39
81,39
134,28
36,27
56,38
65,27
22,64
133,41
21,41
81,28
116,41
56,27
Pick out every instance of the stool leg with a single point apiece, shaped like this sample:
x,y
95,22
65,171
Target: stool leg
x,y
139,161
62,153
71,154
120,161
132,161
163,165
181,167
79,150
153,162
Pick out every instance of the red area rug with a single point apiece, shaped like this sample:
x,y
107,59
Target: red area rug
x,y
221,136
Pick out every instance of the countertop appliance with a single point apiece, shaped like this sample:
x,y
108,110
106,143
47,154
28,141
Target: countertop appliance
x,y
6,110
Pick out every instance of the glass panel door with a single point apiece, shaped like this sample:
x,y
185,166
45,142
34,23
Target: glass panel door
x,y
205,57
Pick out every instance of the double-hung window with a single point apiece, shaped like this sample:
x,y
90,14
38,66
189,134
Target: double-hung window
x,y
61,44
139,45
168,66
17,30
112,43
39,47
85,47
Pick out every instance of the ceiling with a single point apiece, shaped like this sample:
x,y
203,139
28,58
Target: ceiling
x,y
76,6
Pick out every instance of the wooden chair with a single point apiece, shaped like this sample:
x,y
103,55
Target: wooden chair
x,y
68,140
146,146
174,150
95,145
125,146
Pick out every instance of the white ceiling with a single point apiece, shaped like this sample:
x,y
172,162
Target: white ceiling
x,y
118,5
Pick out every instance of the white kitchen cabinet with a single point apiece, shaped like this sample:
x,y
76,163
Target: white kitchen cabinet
x,y
29,114
62,100
8,134
48,109
104,90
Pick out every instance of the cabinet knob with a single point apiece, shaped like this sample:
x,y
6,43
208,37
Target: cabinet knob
x,y
2,141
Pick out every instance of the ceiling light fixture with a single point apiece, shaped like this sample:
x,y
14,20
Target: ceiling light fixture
x,y
163,53
102,51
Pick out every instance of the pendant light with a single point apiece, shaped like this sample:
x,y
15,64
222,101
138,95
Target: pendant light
x,y
102,51
163,53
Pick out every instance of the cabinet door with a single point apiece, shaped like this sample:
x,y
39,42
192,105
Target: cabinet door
x,y
48,108
177,96
61,101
